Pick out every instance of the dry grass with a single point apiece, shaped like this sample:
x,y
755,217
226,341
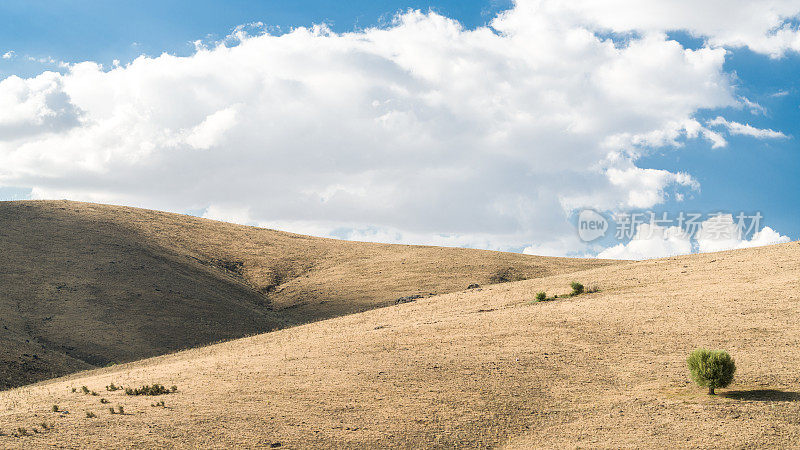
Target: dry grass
x,y
87,285
479,368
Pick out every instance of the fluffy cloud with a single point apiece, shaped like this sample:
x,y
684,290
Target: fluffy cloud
x,y
34,106
766,26
421,131
720,232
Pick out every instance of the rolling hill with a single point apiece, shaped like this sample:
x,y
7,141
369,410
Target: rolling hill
x,y
480,368
86,285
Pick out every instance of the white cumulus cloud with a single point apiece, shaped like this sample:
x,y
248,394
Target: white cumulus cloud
x,y
765,26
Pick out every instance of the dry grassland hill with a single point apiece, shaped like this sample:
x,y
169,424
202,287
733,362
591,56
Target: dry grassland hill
x,y
478,368
86,285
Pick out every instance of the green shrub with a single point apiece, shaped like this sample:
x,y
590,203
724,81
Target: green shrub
x,y
55,408
577,288
155,389
85,389
103,401
541,296
121,409
90,415
711,368
112,410
112,388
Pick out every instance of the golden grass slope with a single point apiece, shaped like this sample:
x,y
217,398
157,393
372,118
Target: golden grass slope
x,y
85,285
481,368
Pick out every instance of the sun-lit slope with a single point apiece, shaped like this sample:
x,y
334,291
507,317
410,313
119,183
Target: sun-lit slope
x,y
84,285
478,368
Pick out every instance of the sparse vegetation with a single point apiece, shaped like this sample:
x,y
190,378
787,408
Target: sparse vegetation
x,y
44,426
711,368
506,275
112,410
55,408
120,409
74,390
103,401
577,289
111,387
22,431
161,404
155,389
90,415
85,390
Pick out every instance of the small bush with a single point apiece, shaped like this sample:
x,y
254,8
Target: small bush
x,y
55,408
155,389
173,389
112,410
94,393
112,388
120,409
22,431
711,368
161,404
577,288
74,390
541,296
90,415
44,426
103,401
85,390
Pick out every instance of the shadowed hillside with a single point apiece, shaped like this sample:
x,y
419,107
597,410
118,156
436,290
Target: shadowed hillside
x,y
85,285
474,369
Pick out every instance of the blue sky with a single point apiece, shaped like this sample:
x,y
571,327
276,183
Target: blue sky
x,y
519,205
